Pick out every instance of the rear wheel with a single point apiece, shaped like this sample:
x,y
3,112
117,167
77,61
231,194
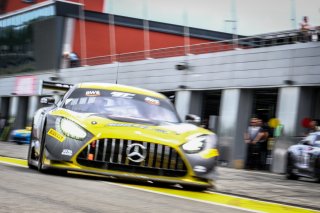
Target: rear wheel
x,y
290,166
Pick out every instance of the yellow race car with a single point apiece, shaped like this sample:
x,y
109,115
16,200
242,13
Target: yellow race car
x,y
123,132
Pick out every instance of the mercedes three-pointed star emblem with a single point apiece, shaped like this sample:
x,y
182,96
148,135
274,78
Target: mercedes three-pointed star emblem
x,y
136,152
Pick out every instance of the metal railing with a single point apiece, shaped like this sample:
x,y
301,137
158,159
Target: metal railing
x,y
258,41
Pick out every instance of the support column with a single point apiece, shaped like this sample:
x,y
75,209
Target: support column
x,y
14,101
196,103
33,106
182,103
288,103
235,111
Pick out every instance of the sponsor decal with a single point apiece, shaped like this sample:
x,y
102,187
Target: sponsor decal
x,y
128,125
93,93
122,95
138,126
162,131
53,133
67,152
25,85
152,101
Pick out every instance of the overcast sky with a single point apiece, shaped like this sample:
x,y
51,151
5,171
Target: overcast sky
x,y
252,16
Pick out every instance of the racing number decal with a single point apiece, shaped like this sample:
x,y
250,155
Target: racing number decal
x,y
53,133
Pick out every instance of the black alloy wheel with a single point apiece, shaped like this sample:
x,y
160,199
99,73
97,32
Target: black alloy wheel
x,y
290,166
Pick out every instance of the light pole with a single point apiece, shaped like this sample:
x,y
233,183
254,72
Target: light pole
x,y
234,32
234,23
83,39
146,34
293,14
112,36
186,30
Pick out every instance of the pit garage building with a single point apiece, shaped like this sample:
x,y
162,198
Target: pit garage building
x,y
207,73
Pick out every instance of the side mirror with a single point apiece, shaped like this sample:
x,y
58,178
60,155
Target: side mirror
x,y
47,100
193,119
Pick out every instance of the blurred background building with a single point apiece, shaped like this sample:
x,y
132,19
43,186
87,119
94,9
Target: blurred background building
x,y
224,77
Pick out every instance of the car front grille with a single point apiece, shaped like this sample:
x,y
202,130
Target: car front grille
x,y
111,154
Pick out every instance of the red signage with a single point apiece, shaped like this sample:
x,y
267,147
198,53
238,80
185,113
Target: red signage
x,y
25,85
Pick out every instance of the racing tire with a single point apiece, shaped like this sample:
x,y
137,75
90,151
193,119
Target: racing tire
x,y
40,160
290,166
30,150
162,184
317,169
195,188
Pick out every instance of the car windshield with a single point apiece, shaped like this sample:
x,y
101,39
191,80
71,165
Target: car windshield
x,y
121,105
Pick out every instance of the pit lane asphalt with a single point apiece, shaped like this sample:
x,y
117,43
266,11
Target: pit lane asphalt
x,y
260,185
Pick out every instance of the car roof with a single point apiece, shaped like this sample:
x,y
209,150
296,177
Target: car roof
x,y
120,88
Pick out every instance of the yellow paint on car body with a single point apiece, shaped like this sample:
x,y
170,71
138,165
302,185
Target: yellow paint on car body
x,y
209,153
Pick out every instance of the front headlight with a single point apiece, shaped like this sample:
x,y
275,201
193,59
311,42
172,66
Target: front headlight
x,y
72,130
195,145
200,143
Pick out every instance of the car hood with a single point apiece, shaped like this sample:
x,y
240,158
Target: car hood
x,y
104,127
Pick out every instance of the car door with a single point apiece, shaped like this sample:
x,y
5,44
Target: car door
x,y
305,155
314,155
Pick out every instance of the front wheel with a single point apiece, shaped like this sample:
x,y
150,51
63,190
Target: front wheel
x,y
195,188
31,151
36,151
317,169
290,166
41,154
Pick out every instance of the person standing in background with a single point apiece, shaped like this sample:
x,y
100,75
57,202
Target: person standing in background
x,y
252,138
263,144
305,29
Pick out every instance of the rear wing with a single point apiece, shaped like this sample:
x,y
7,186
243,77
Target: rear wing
x,y
51,85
